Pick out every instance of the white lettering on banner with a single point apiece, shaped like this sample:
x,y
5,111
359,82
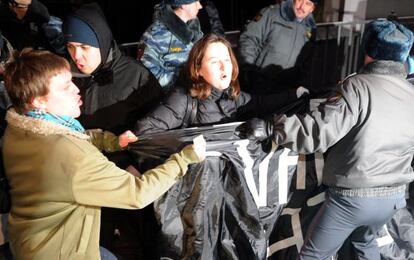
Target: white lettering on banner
x,y
284,161
248,173
260,194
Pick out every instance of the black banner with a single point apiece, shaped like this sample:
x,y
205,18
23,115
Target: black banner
x,y
247,200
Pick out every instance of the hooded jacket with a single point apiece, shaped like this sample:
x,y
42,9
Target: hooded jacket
x,y
121,89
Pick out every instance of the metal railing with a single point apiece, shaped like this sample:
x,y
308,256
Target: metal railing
x,y
335,52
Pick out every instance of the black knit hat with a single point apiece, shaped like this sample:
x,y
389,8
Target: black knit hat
x,y
179,2
76,30
387,40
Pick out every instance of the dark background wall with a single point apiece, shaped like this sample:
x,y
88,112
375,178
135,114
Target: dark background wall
x,y
128,19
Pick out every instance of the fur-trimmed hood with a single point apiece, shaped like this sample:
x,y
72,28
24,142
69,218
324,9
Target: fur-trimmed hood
x,y
385,67
39,126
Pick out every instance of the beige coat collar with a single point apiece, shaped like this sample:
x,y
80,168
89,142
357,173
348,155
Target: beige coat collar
x,y
39,126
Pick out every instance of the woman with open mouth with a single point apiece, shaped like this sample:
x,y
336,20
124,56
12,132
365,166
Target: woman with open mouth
x,y
208,92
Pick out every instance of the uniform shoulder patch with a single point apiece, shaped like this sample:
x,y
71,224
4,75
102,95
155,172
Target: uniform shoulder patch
x,y
176,49
347,77
335,98
308,33
258,17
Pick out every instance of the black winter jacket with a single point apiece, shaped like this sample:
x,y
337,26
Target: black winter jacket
x,y
27,32
121,90
218,108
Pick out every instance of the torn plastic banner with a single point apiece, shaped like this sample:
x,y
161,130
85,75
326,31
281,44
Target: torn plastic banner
x,y
225,207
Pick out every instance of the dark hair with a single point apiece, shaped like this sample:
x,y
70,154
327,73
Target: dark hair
x,y
13,3
28,73
199,88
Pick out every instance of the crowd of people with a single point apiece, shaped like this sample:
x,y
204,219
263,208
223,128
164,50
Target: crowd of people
x,y
72,102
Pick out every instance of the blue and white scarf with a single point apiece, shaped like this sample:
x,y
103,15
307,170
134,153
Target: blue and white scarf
x,y
66,121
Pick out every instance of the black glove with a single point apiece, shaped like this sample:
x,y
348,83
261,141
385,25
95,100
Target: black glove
x,y
255,129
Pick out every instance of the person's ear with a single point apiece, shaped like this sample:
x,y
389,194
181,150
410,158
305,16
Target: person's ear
x,y
39,103
199,74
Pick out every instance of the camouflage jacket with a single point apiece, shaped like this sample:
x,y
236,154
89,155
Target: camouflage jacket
x,y
168,42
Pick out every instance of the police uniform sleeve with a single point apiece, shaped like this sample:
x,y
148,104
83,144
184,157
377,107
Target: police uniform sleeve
x,y
252,40
152,58
250,106
325,125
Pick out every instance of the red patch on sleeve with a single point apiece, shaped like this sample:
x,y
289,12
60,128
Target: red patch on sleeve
x,y
257,17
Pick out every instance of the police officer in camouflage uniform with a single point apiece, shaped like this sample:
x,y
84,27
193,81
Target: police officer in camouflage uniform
x,y
170,38
272,42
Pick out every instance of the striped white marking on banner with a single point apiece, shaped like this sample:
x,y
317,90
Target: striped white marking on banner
x,y
296,239
290,211
315,200
385,240
319,162
297,231
301,173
